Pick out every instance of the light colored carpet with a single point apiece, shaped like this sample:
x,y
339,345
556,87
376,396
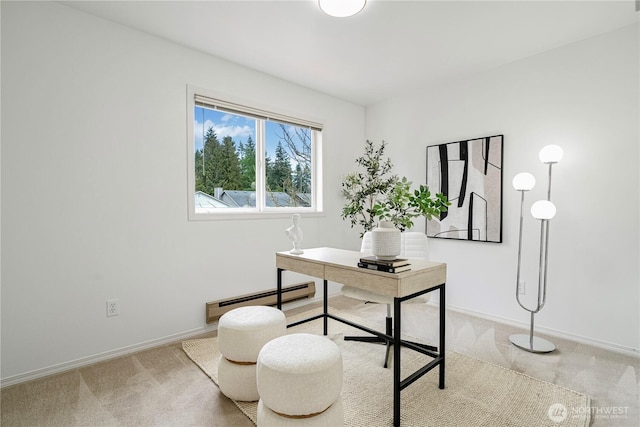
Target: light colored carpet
x,y
477,393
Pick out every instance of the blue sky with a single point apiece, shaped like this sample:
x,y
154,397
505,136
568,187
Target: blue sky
x,y
238,127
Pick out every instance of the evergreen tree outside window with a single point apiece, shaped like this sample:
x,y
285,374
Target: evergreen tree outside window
x,y
250,161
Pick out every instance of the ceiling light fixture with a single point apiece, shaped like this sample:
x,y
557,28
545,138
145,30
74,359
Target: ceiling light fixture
x,y
341,8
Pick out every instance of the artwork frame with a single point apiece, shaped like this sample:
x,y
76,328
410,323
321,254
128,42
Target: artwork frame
x,y
470,174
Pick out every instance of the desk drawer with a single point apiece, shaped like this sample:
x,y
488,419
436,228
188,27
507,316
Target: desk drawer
x,y
384,285
300,265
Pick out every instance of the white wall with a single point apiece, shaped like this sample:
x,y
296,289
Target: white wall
x,y
94,188
584,97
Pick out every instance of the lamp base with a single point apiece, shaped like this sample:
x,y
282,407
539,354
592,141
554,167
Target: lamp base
x,y
532,344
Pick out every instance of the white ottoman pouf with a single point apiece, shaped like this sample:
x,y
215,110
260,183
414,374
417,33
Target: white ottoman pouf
x,y
237,381
243,331
332,417
241,334
299,374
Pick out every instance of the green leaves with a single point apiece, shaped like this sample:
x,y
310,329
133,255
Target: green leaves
x,y
402,205
378,194
362,189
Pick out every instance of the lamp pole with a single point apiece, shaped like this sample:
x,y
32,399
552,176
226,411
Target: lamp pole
x,y
544,211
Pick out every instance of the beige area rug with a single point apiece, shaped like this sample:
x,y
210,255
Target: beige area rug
x,y
477,393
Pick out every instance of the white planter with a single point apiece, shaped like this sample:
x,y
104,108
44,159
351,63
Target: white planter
x,y
386,240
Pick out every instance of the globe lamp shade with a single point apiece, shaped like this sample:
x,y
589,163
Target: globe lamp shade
x,y
543,209
550,154
341,8
524,181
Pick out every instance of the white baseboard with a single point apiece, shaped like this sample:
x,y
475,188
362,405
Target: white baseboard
x,y
617,348
100,357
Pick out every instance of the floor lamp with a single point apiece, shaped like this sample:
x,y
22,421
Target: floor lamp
x,y
544,211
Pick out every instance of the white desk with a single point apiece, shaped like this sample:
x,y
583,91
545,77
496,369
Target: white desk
x,y
341,266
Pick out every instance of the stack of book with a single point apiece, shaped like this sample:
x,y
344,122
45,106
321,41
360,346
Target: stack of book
x,y
397,265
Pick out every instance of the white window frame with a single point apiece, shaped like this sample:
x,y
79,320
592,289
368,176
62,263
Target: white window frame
x,y
264,113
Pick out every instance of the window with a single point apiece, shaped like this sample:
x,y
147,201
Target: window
x,y
245,160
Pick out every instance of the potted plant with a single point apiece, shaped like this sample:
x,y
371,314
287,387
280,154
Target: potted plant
x,y
377,195
397,212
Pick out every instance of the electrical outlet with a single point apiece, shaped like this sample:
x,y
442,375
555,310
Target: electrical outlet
x,y
112,307
522,290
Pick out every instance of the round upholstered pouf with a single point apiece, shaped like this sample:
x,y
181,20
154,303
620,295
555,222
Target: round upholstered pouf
x,y
237,381
241,334
332,417
299,374
243,331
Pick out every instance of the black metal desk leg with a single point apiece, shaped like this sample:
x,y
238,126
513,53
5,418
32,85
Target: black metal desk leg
x,y
325,305
396,361
279,290
442,329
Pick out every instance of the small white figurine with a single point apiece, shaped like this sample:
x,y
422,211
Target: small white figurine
x,y
294,234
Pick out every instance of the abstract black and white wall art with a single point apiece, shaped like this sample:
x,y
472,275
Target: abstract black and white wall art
x,y
469,173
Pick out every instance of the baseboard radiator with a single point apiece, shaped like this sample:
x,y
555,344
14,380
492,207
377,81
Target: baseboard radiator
x,y
215,309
